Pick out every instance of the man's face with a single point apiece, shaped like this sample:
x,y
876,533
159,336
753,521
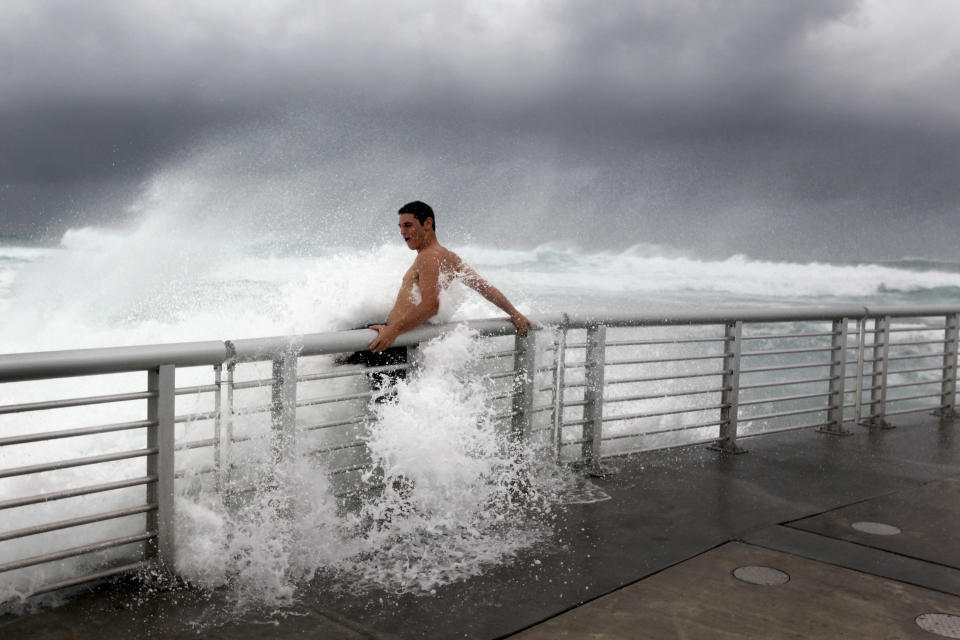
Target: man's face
x,y
412,231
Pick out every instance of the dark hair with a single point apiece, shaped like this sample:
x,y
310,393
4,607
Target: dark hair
x,y
420,210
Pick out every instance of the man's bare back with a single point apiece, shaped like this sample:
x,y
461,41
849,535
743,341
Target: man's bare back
x,y
432,270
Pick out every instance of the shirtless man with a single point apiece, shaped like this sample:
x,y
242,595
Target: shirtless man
x,y
433,269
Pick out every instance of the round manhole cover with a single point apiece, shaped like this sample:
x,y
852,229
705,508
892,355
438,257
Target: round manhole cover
x,y
761,575
876,528
942,624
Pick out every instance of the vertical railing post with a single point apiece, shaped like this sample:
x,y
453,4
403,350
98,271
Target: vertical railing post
x,y
217,421
283,407
523,389
225,413
161,409
559,378
838,373
593,398
878,378
858,390
948,385
730,396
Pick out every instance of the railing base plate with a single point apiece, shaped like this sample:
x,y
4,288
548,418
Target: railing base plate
x,y
877,424
722,447
948,415
834,432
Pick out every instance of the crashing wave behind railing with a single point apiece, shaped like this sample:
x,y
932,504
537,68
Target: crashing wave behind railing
x,y
579,388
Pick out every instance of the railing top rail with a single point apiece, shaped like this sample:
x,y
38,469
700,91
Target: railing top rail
x,y
81,362
77,362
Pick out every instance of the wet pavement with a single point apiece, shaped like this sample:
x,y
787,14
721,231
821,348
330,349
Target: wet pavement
x,y
653,561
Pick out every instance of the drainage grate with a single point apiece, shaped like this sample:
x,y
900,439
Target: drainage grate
x,y
942,624
876,528
761,575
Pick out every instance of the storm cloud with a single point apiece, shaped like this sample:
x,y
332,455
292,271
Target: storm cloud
x,y
824,128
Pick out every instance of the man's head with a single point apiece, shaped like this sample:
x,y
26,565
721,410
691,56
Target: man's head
x,y
421,211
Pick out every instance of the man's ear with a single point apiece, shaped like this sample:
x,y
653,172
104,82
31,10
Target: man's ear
x,y
426,222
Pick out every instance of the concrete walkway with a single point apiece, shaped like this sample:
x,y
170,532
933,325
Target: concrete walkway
x,y
655,560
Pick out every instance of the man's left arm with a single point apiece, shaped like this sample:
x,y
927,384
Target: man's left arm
x,y
473,280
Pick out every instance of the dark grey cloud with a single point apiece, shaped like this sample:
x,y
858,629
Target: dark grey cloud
x,y
819,128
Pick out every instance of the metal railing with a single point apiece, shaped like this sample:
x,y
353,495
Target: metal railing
x,y
584,388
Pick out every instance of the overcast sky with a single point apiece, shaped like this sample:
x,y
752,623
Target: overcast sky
x,y
826,129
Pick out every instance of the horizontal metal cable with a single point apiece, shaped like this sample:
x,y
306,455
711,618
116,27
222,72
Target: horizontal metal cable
x,y
918,356
498,354
614,381
788,336
656,432
72,493
334,423
71,433
613,363
77,402
782,414
337,447
354,467
914,384
505,374
914,343
312,402
640,343
254,384
248,411
780,352
661,396
783,383
924,396
75,522
77,462
785,399
785,367
106,573
76,551
195,444
683,376
655,414
205,388
194,417
894,372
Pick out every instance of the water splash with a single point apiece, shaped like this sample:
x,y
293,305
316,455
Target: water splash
x,y
449,494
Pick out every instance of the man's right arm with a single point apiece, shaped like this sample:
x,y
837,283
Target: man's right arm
x,y
405,317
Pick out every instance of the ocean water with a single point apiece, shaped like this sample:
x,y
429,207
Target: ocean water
x,y
449,505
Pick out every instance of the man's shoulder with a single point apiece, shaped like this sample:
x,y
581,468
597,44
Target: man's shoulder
x,y
436,253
